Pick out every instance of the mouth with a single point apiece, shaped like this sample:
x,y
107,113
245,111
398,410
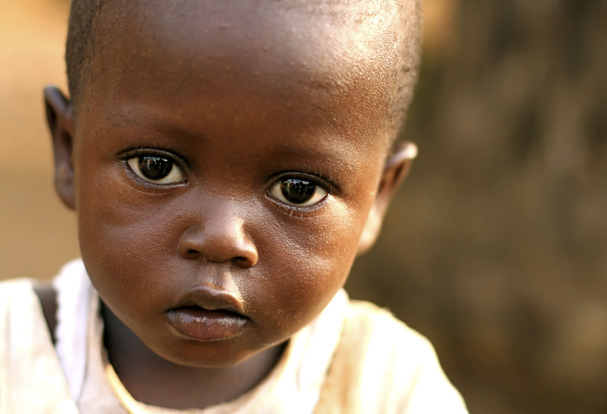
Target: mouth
x,y
206,314
202,324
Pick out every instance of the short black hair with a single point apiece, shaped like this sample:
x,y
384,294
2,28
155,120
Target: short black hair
x,y
79,44
85,29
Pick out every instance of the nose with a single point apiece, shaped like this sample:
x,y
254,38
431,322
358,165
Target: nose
x,y
219,237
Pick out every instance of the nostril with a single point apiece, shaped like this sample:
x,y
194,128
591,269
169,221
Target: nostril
x,y
192,254
243,262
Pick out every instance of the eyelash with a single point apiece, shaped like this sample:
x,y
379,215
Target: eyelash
x,y
320,183
130,158
273,192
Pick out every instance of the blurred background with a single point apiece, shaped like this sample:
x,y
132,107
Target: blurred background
x,y
496,248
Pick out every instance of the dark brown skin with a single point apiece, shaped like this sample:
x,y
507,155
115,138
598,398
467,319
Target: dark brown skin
x,y
236,100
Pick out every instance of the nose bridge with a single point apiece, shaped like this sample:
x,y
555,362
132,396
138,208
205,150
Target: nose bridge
x,y
219,233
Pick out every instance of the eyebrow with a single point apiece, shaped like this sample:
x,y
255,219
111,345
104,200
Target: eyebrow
x,y
332,149
336,159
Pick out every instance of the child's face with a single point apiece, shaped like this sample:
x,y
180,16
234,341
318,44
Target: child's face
x,y
225,167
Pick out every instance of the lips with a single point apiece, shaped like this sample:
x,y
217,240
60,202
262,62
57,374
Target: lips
x,y
206,325
207,314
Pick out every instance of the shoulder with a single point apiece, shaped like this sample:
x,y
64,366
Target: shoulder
x,y
15,293
12,289
384,366
368,316
47,296
392,349
377,329
28,359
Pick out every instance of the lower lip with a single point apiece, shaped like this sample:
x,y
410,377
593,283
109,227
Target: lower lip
x,y
205,325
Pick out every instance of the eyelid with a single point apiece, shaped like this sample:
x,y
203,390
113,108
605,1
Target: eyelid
x,y
317,196
319,179
178,162
154,152
327,187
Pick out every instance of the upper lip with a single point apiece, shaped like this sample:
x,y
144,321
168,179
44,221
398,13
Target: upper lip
x,y
210,298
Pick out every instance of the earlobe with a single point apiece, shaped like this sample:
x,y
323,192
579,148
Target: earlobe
x,y
59,121
394,173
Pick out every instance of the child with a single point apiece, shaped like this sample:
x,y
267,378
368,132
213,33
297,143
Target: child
x,y
227,160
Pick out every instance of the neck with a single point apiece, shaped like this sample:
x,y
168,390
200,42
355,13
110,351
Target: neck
x,y
153,380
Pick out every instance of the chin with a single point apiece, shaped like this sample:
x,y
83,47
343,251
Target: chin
x,y
218,355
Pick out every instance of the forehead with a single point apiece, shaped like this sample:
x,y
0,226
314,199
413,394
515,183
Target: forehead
x,y
359,32
288,47
328,45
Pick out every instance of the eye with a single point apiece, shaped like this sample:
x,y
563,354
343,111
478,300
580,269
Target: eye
x,y
297,192
156,170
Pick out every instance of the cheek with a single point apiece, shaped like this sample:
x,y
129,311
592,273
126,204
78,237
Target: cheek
x,y
122,235
310,262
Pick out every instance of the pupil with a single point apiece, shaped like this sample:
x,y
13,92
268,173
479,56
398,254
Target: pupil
x,y
297,191
155,168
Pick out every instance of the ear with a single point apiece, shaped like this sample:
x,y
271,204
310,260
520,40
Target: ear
x,y
59,120
395,171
